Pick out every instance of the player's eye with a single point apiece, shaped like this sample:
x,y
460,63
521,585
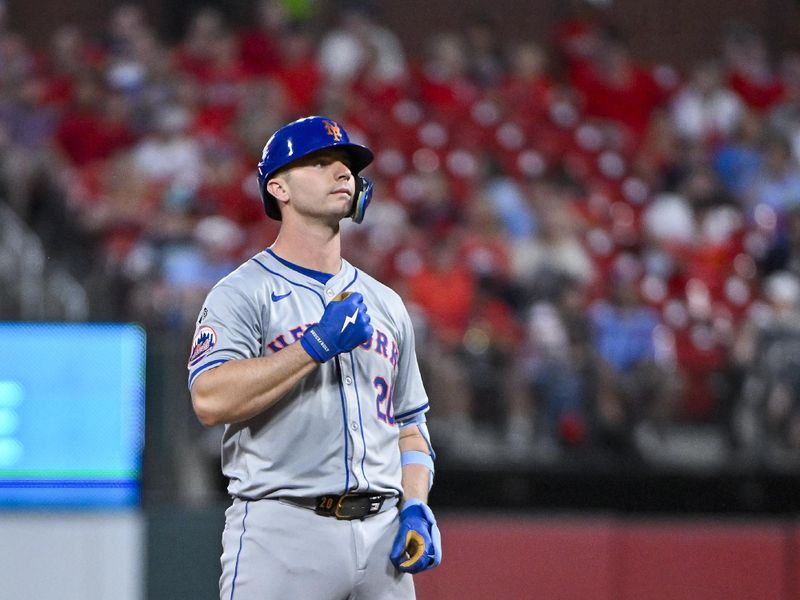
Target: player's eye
x,y
326,160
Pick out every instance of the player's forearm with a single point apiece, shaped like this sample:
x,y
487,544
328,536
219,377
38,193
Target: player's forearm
x,y
240,389
416,478
415,482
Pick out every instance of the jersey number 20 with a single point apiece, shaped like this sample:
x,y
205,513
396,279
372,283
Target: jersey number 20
x,y
383,401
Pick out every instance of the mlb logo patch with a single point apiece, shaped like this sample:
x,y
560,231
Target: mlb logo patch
x,y
204,340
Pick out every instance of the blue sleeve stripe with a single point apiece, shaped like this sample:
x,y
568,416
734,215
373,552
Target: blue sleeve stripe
x,y
208,365
268,270
405,415
415,420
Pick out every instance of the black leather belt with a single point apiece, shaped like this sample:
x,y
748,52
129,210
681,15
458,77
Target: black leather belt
x,y
349,506
346,506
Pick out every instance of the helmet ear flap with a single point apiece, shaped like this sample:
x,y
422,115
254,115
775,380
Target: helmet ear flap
x,y
361,198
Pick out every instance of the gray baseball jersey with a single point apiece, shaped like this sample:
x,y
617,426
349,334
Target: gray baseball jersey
x,y
337,429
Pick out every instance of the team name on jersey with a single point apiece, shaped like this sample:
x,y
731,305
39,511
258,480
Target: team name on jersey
x,y
380,343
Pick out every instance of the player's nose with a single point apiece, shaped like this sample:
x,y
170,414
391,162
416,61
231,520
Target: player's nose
x,y
341,171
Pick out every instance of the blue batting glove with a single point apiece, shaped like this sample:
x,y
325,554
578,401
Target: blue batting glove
x,y
343,326
418,545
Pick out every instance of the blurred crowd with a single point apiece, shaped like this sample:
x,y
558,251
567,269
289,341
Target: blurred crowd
x,y
595,251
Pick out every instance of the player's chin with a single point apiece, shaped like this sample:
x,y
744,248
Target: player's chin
x,y
332,214
341,204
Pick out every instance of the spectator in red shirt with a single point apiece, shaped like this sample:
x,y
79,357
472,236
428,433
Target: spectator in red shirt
x,y
578,29
299,73
69,56
259,46
443,80
221,85
526,89
749,72
616,88
95,126
445,289
114,203
223,190
196,52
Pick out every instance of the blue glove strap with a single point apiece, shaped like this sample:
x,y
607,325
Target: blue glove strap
x,y
316,347
423,508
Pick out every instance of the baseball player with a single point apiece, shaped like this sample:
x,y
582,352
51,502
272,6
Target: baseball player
x,y
310,364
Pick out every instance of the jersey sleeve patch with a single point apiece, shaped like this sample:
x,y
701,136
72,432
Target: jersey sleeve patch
x,y
205,339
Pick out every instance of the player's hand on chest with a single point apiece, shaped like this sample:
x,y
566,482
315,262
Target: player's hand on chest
x,y
369,369
289,313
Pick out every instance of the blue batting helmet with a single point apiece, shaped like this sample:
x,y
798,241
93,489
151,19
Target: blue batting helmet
x,y
301,138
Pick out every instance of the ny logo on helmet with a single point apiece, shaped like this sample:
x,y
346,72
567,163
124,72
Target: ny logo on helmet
x,y
333,130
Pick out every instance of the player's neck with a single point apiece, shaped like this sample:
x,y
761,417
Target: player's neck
x,y
316,249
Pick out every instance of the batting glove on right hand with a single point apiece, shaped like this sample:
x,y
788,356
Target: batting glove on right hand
x,y
343,326
418,545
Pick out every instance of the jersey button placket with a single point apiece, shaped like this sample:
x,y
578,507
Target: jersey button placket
x,y
353,416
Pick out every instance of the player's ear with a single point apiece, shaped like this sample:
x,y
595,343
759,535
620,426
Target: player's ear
x,y
277,186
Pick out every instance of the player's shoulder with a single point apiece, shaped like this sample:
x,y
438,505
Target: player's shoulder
x,y
379,296
378,288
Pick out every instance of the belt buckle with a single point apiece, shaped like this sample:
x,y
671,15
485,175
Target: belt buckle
x,y
340,503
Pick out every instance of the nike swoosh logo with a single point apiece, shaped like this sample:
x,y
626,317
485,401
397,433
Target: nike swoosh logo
x,y
349,320
275,297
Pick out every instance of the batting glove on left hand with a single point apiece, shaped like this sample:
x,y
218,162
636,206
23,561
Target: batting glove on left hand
x,y
418,545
